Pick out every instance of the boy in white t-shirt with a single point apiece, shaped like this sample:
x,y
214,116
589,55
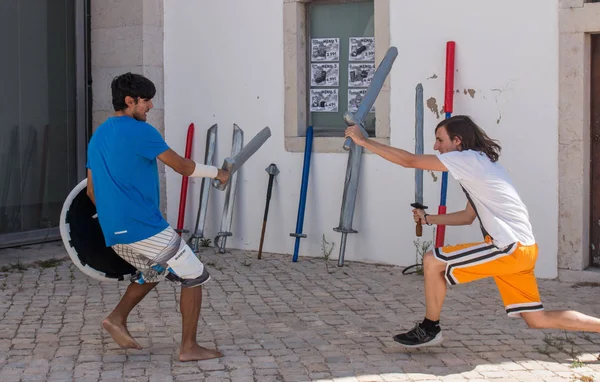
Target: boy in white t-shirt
x,y
508,252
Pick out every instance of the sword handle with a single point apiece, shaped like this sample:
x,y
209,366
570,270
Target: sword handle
x,y
350,120
419,227
227,166
347,143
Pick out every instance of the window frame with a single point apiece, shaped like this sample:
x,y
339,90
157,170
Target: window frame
x,y
296,70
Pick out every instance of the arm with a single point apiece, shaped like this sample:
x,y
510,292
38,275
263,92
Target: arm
x,y
395,155
465,217
90,187
186,167
178,163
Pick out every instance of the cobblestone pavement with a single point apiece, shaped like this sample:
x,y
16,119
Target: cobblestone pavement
x,y
275,320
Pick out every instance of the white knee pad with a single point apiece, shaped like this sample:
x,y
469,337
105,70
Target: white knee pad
x,y
185,264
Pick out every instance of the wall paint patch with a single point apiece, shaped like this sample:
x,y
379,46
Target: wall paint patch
x,y
432,105
498,93
435,178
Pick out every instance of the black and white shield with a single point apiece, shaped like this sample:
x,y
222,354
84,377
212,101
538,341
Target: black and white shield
x,y
84,240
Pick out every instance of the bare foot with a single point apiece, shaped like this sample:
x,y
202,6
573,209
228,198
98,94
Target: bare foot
x,y
198,353
120,334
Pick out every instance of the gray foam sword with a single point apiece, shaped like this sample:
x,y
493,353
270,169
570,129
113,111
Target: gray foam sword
x,y
234,164
209,159
373,90
419,138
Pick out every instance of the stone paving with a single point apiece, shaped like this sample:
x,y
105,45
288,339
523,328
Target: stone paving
x,y
275,320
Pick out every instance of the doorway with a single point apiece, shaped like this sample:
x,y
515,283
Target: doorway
x,y
595,152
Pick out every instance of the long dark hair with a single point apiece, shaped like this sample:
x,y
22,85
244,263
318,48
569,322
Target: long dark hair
x,y
472,136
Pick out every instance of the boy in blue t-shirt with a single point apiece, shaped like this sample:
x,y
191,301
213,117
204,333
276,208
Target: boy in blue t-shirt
x,y
123,183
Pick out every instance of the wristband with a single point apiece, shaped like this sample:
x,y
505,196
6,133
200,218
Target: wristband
x,y
425,217
204,171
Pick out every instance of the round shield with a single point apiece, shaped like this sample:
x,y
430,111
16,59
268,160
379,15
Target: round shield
x,y
84,240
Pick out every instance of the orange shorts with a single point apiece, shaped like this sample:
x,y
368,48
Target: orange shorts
x,y
511,267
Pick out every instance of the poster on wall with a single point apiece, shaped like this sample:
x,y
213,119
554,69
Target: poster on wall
x,y
360,75
324,100
355,97
361,49
325,74
325,49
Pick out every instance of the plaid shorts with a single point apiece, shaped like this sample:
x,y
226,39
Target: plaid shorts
x,y
163,256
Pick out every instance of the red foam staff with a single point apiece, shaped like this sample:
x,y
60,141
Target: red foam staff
x,y
448,103
184,180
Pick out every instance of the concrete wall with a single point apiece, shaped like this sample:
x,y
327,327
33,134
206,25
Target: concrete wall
x,y
577,20
127,35
224,67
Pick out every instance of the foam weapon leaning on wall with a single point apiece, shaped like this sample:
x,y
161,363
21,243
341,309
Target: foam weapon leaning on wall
x,y
303,188
448,104
184,181
272,170
226,218
355,151
209,160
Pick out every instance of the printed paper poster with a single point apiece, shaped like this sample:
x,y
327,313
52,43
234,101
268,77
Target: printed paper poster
x,y
361,49
325,75
360,75
355,97
325,49
324,100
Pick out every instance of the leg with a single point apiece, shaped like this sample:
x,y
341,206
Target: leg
x,y
522,298
164,255
182,266
435,286
116,322
452,262
561,319
428,332
191,301
437,274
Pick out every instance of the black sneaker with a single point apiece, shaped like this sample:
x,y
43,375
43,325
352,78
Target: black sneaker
x,y
419,337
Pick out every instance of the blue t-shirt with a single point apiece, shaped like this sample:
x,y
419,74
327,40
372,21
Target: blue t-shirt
x,y
122,156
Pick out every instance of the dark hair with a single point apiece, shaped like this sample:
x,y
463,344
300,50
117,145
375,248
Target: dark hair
x,y
133,85
472,136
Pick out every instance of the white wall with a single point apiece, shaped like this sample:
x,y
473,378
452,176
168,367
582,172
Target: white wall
x,y
227,67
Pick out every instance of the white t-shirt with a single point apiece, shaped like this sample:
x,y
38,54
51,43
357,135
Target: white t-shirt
x,y
499,207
